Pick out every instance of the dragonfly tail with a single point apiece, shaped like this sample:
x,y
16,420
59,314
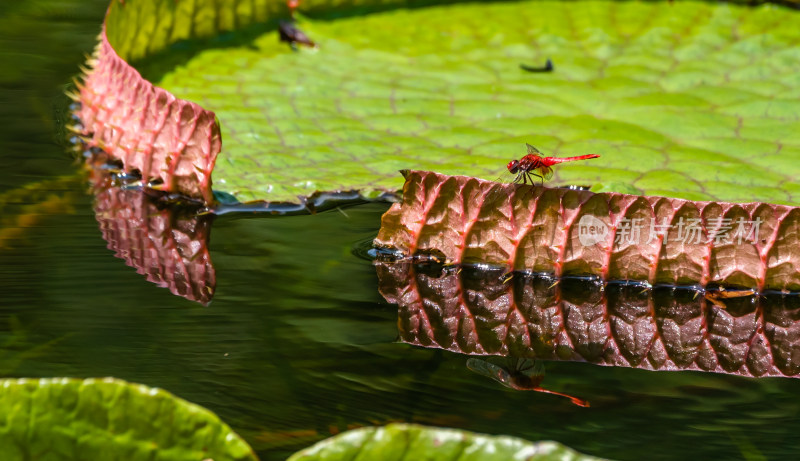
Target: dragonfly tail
x,y
574,400
554,160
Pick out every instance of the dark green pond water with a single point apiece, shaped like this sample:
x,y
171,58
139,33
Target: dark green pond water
x,y
297,343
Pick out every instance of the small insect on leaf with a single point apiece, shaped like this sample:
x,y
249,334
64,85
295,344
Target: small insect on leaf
x,y
292,35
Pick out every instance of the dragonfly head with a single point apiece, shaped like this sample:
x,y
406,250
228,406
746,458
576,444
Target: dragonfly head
x,y
513,166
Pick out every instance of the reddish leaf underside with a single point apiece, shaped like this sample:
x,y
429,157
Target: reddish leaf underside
x,y
560,232
530,317
168,249
171,142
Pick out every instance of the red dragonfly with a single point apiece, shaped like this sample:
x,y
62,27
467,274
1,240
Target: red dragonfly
x,y
520,375
534,164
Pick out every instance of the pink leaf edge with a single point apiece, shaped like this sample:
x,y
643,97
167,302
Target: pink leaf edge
x,y
172,143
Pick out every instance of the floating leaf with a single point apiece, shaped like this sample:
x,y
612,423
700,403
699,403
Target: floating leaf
x,y
688,99
70,419
408,441
608,236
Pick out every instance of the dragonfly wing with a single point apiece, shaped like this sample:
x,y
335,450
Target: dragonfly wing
x,y
532,150
530,367
546,172
538,369
496,195
490,370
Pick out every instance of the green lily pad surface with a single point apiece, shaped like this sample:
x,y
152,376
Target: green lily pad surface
x,y
407,441
69,420
686,99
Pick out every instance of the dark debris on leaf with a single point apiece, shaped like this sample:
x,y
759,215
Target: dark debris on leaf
x,y
548,67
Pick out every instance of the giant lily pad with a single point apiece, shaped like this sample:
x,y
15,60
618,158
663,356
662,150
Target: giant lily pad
x,y
692,100
407,441
70,419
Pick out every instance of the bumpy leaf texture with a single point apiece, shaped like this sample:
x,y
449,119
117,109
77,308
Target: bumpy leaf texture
x,y
168,141
608,236
64,419
408,441
688,99
169,246
481,313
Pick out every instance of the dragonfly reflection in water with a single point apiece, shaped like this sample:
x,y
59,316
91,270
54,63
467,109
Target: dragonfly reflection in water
x,y
520,375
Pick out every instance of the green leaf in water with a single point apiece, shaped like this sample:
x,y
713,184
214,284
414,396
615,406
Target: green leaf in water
x,y
408,441
108,419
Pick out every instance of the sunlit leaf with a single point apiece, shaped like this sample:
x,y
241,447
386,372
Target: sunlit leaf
x,y
687,99
405,441
70,420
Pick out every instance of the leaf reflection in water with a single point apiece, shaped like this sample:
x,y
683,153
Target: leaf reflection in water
x,y
166,243
480,312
